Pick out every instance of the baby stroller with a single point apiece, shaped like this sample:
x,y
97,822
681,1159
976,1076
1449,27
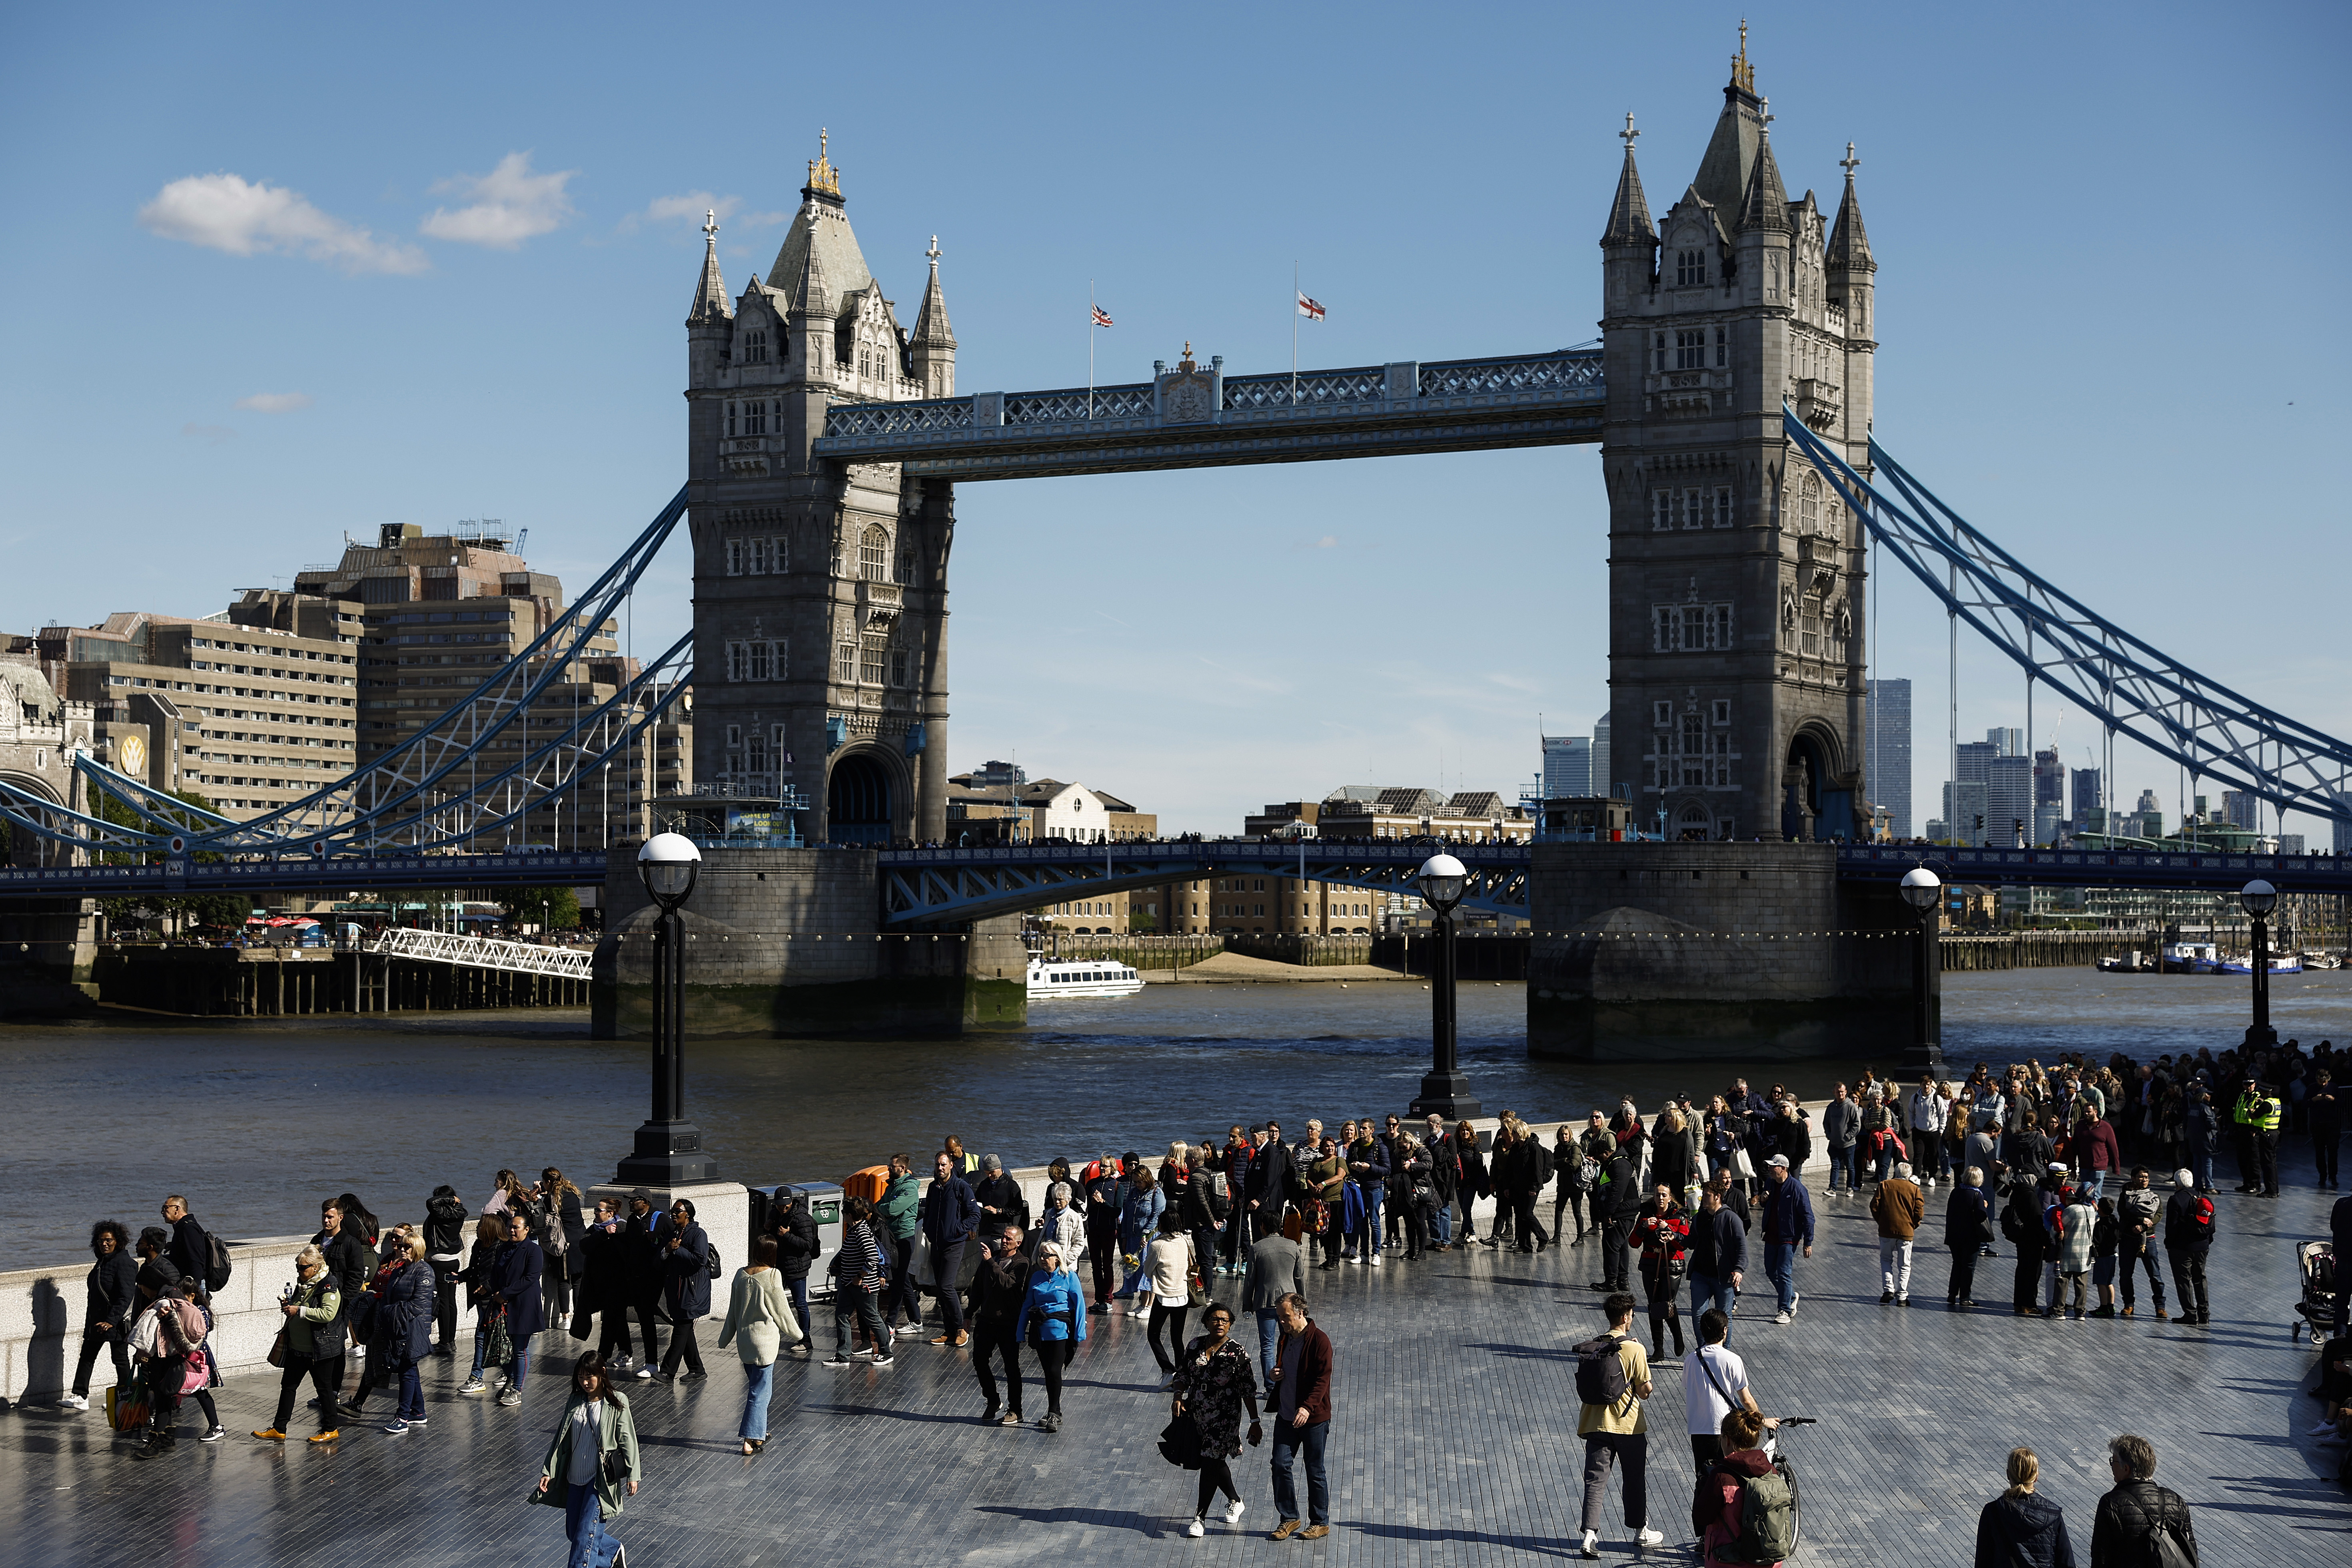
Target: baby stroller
x,y
2315,1262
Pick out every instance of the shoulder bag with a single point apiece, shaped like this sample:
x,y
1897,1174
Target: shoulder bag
x,y
1196,1294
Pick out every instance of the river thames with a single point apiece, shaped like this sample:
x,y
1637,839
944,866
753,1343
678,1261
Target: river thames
x,y
257,1122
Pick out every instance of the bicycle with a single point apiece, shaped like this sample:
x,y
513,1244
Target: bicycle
x,y
1789,1472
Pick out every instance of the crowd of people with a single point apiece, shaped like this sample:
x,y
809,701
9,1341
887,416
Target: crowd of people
x,y
2071,1164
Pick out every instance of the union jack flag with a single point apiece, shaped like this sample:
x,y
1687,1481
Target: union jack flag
x,y
1309,309
1102,317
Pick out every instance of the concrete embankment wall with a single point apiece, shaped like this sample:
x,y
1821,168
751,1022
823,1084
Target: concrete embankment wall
x,y
41,1308
2043,949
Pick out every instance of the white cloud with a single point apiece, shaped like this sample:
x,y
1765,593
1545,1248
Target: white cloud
x,y
224,212
691,206
215,434
504,207
275,402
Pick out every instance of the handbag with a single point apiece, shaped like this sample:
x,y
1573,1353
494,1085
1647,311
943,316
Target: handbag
x,y
129,1410
616,1465
1196,1294
1180,1442
277,1349
199,1368
498,1340
1742,1167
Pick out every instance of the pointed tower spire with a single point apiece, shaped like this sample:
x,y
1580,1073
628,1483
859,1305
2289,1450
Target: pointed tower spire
x,y
931,321
1766,204
811,297
710,294
1629,213
1849,248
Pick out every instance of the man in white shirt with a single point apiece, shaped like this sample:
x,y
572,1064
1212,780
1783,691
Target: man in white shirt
x,y
1715,1382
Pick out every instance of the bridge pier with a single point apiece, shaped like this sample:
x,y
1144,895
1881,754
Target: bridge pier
x,y
48,949
789,942
1713,952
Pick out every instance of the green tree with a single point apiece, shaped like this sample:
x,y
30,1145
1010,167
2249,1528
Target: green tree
x,y
198,908
553,909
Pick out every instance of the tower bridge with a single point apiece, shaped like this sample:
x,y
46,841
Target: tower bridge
x,y
1732,396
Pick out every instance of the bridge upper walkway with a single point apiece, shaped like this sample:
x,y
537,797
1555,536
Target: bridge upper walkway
x,y
1366,411
484,953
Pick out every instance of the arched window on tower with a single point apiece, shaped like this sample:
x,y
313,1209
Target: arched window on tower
x,y
1808,504
874,556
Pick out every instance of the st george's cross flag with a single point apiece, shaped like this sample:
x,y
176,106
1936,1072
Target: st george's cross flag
x,y
1309,309
1102,317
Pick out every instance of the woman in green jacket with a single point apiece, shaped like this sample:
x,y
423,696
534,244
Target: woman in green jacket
x,y
760,1318
594,1454
314,1345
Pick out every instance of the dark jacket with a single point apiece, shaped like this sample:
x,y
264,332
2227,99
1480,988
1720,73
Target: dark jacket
x,y
1475,1178
114,1298
1617,1196
2129,1517
685,1270
1373,1155
350,1260
481,1265
1718,1245
515,1269
1788,1212
1670,1157
1314,1378
997,1292
797,1243
1001,1194
402,1331
1968,1219
1269,1177
2181,1233
2020,1221
641,1262
189,1250
603,1271
445,1228
2026,1531
949,1213
2202,1125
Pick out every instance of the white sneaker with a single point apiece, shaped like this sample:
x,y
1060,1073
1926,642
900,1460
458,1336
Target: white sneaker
x,y
1794,1297
1645,1536
1196,1529
1591,1547
1233,1514
76,1401
1376,1260
1779,1317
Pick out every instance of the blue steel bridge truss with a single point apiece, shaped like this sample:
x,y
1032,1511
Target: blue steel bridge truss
x,y
2124,681
473,771
958,885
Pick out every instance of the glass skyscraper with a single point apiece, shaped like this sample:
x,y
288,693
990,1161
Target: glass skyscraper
x,y
1889,761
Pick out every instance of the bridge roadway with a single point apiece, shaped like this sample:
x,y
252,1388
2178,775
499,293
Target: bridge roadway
x,y
1198,417
966,884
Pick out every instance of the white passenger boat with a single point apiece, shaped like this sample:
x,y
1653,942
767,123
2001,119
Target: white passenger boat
x,y
1052,977
2243,963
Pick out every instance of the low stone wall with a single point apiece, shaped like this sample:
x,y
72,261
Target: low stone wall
x,y
1303,948
41,1308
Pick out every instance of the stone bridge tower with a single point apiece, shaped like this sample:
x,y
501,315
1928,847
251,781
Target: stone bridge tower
x,y
819,589
1736,645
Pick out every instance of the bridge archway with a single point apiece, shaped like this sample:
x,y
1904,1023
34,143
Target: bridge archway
x,y
1814,805
861,798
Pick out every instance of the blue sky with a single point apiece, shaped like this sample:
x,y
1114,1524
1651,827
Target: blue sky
x,y
281,273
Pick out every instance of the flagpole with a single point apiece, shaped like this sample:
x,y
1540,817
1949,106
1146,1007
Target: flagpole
x,y
1090,350
1294,334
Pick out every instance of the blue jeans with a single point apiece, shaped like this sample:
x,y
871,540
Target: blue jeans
x,y
798,1290
1845,1162
1289,1440
1445,1225
1368,1238
583,1525
412,1394
1269,1335
756,1380
2201,1167
1780,1267
2096,1186
1708,1292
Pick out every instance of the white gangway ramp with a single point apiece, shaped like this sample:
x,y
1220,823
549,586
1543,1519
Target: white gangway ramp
x,y
483,953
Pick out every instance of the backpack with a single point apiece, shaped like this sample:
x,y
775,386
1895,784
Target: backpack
x,y
1601,1372
1768,1518
712,1267
216,1262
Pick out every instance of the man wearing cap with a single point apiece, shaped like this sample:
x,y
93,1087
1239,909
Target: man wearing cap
x,y
1788,1225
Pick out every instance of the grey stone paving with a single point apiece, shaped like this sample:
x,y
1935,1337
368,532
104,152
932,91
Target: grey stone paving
x,y
1453,1442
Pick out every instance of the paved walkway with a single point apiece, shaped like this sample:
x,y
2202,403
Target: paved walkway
x,y
1454,1442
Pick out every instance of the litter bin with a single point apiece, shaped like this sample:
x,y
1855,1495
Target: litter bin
x,y
822,1201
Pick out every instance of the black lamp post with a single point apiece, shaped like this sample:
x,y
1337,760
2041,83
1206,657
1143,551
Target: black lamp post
x,y
2258,897
1445,1090
668,1147
1924,891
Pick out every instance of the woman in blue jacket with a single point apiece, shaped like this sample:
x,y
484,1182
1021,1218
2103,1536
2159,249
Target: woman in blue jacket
x,y
684,1249
404,1332
1054,1321
514,1294
1138,1221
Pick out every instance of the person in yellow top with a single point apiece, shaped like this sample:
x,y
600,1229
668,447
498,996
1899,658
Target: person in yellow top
x,y
2257,1116
1612,1381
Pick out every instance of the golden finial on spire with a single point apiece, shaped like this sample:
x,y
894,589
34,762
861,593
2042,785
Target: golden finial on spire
x,y
1743,74
823,175
1187,362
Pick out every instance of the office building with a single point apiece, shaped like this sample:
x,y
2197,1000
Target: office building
x,y
2342,843
2088,797
2006,743
1604,779
1889,763
2241,808
1968,812
2291,844
1566,765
